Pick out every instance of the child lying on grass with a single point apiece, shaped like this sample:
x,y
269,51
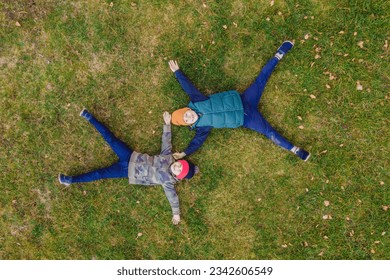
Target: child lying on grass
x,y
140,169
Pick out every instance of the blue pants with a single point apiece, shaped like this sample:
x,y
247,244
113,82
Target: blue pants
x,y
250,100
116,170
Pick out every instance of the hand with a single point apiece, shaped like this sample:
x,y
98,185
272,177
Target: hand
x,y
167,118
176,219
173,65
179,155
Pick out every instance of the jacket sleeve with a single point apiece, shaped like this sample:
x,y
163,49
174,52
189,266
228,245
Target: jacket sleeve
x,y
194,94
200,136
166,145
172,197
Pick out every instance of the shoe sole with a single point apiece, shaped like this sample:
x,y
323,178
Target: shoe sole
x,y
288,42
81,113
307,157
59,180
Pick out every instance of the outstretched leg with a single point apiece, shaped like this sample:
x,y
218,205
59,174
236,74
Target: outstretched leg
x,y
117,170
253,93
120,148
255,121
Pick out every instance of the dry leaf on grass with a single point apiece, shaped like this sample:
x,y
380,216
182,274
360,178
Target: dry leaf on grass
x,y
327,86
312,96
271,3
299,118
327,217
284,245
300,127
341,32
326,203
307,36
385,46
17,24
382,183
359,85
224,27
360,44
385,207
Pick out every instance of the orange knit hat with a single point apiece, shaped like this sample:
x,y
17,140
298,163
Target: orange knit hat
x,y
178,116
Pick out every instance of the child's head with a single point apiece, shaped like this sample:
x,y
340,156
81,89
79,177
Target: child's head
x,y
184,116
183,169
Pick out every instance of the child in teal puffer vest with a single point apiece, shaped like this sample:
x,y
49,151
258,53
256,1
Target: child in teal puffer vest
x,y
229,109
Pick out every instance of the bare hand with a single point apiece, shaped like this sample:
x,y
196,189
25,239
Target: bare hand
x,y
176,219
173,65
179,155
167,117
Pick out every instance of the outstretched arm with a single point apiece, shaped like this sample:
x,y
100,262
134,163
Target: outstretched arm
x,y
173,199
166,145
200,136
194,94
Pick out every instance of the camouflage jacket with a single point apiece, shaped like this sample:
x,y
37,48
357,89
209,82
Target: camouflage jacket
x,y
154,170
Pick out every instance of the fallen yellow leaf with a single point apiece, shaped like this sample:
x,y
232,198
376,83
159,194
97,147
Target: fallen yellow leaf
x,y
326,203
359,86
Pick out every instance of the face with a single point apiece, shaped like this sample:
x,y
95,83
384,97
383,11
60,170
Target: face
x,y
176,168
190,117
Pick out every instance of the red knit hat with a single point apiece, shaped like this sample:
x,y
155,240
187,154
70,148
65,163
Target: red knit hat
x,y
184,170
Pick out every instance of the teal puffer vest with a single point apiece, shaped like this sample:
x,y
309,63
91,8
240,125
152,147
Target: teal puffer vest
x,y
221,110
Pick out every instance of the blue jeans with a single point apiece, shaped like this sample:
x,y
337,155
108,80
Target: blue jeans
x,y
116,170
250,100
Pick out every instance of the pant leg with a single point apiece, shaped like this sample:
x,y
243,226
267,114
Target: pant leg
x,y
117,170
120,148
255,121
253,93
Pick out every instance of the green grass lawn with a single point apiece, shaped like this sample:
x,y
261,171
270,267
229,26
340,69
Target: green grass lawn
x,y
252,200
